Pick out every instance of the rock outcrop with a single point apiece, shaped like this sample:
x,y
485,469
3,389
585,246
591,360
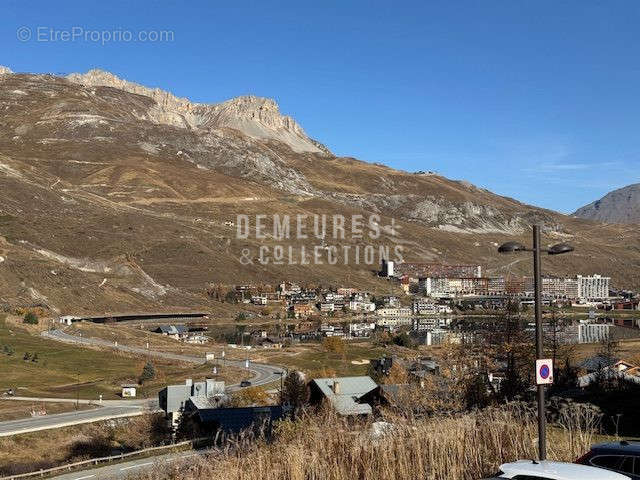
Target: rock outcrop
x,y
256,117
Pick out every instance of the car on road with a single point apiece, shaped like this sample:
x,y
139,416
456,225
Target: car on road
x,y
245,383
622,457
547,470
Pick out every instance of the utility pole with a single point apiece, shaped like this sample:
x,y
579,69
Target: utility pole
x,y
281,387
78,391
537,279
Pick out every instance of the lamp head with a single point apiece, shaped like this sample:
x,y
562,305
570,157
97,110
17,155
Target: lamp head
x,y
560,248
511,247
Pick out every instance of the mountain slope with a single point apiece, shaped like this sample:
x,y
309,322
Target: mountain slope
x,y
618,206
109,201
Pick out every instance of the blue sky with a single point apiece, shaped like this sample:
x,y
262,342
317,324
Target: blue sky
x,y
535,100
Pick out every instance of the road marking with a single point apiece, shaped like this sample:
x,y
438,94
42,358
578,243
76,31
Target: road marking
x,y
135,466
83,478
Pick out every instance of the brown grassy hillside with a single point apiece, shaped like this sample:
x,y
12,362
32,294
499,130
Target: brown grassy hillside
x,y
103,206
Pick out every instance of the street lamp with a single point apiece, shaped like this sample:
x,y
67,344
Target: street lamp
x,y
558,249
281,372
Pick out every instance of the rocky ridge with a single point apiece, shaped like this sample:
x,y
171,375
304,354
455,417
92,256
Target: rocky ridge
x,y
256,117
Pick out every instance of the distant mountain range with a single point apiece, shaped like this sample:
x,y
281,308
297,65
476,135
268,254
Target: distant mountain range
x,y
619,206
118,197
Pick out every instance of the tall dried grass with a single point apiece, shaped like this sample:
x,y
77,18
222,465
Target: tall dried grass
x,y
326,447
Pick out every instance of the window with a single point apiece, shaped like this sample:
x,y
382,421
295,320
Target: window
x,y
611,462
530,477
627,465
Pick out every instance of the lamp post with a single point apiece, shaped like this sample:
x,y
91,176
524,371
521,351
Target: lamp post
x,y
281,372
560,248
78,391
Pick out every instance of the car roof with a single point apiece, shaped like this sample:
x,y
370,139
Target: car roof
x,y
624,446
559,471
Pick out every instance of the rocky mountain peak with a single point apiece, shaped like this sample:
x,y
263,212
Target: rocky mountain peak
x,y
254,116
4,70
618,206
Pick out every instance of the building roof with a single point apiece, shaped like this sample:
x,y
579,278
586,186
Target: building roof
x,y
345,392
238,419
425,364
173,329
173,397
201,402
607,374
597,362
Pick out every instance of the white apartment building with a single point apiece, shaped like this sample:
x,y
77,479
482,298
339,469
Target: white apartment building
x,y
358,306
333,297
361,329
454,286
593,287
259,300
429,323
327,307
393,321
424,307
397,312
594,332
435,287
391,301
555,287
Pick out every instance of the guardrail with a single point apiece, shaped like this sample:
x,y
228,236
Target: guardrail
x,y
96,461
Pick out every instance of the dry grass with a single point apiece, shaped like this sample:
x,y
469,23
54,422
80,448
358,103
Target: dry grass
x,y
101,370
32,451
454,448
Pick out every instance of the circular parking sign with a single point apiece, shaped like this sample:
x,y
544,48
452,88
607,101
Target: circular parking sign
x,y
544,371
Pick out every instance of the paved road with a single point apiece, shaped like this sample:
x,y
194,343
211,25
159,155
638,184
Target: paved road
x,y
147,402
125,469
263,374
33,424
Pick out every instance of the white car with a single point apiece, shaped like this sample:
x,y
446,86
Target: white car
x,y
546,470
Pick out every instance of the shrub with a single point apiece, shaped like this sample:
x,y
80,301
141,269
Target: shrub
x,y
30,318
251,396
403,340
334,345
148,372
295,391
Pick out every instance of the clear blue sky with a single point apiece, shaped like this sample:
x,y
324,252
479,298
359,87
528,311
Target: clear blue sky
x,y
535,100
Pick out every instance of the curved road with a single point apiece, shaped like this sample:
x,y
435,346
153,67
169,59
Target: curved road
x,y
263,374
58,420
